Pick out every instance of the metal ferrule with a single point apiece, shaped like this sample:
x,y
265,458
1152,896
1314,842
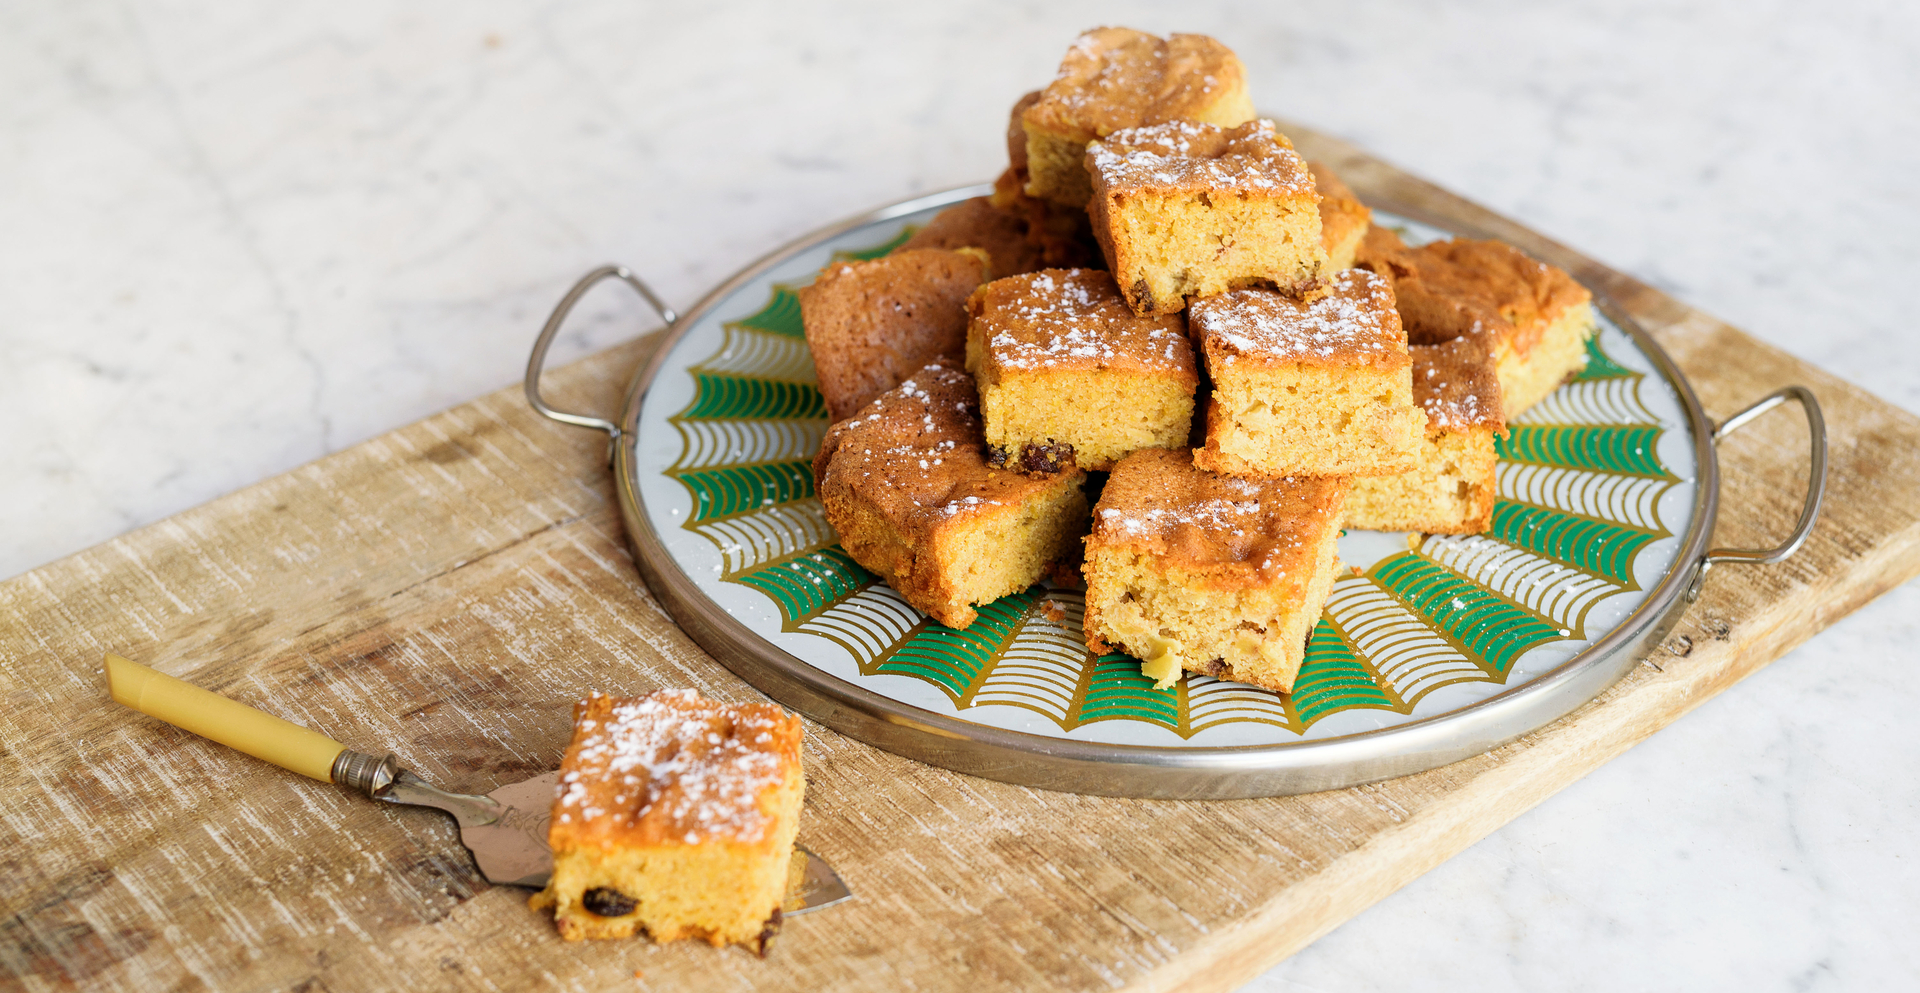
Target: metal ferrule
x,y
365,773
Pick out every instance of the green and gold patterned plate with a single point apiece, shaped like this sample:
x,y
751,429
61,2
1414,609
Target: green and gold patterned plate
x,y
1430,649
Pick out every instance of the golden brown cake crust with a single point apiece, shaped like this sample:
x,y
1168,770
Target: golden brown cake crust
x,y
911,470
1455,382
917,453
1252,160
1329,182
1378,249
1113,78
872,324
1355,323
1344,220
1446,289
1073,319
638,774
977,223
1239,532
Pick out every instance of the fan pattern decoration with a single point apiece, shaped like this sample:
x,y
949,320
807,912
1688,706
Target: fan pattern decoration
x,y
1580,485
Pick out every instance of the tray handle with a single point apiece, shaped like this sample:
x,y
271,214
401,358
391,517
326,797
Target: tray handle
x,y
538,360
1816,483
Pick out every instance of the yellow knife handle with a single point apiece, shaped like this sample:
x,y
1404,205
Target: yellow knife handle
x,y
211,715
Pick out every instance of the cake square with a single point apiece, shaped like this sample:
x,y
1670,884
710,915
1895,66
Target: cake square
x,y
872,324
675,814
1189,570
1315,388
1533,317
907,486
1067,371
1344,220
1115,78
977,223
1186,209
1451,488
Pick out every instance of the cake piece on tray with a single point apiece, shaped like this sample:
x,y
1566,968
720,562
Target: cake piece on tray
x,y
1533,317
907,485
977,223
1186,210
872,324
1451,488
1344,220
1226,577
1315,388
1068,374
1115,78
675,814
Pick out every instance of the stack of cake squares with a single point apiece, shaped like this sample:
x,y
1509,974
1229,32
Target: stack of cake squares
x,y
1155,252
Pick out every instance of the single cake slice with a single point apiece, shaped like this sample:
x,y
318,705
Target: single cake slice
x,y
1314,388
1186,210
872,324
675,814
1533,317
1451,488
1190,570
977,223
1344,220
1115,78
907,485
1068,374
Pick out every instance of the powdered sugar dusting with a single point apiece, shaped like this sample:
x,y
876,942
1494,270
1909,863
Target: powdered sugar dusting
x,y
677,759
1456,384
1159,501
1355,320
1076,318
1114,78
1192,156
918,452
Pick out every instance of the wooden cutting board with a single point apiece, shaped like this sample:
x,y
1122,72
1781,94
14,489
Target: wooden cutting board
x,y
449,589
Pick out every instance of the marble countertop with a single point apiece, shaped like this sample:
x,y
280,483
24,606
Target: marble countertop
x,y
235,239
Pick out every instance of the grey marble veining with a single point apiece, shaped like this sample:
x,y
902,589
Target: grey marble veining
x,y
235,239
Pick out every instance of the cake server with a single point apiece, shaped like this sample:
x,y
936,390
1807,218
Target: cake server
x,y
506,830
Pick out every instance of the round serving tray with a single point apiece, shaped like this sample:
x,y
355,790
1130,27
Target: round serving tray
x,y
1432,648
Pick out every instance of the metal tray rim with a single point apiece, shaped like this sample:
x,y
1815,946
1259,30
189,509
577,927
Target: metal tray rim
x,y
1220,772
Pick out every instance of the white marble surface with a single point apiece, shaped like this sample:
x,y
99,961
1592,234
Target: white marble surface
x,y
233,239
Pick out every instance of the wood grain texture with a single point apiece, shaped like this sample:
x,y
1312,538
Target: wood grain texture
x,y
447,590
